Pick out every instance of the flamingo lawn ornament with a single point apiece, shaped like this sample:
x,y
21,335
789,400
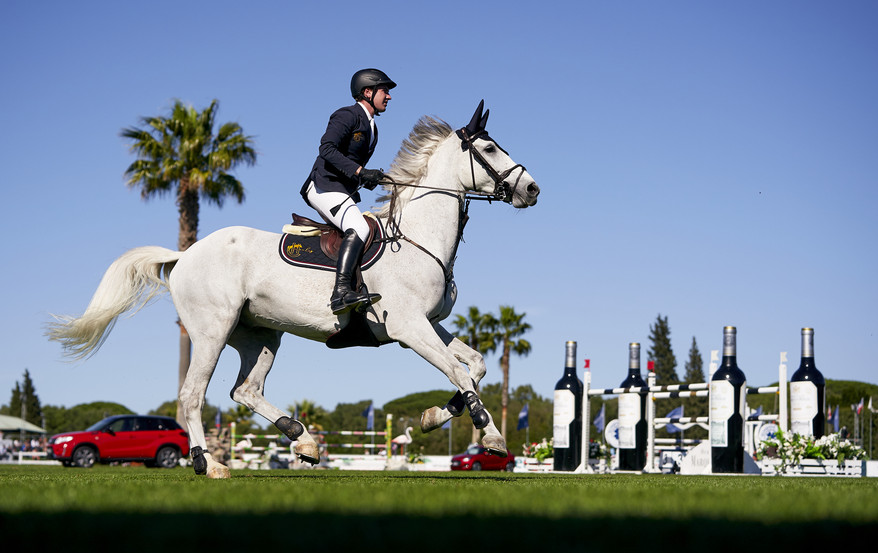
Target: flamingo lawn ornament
x,y
232,287
403,440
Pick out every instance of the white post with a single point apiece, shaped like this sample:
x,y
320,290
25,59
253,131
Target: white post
x,y
782,389
650,424
586,424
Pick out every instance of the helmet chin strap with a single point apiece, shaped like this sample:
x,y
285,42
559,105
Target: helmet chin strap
x,y
371,101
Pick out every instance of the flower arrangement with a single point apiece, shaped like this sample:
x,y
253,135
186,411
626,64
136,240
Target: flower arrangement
x,y
792,448
597,450
540,451
416,458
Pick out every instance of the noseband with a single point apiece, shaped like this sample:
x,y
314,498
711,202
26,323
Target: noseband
x,y
502,190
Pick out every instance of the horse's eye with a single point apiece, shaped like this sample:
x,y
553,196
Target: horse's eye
x,y
490,149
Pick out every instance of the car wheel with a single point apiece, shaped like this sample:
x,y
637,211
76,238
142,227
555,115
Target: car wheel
x,y
477,466
167,457
510,467
85,457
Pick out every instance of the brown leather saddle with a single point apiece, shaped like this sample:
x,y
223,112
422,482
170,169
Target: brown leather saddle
x,y
331,236
313,245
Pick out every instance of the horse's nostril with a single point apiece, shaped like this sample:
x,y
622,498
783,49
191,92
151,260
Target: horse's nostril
x,y
533,189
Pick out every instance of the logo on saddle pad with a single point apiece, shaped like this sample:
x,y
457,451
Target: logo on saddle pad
x,y
315,245
296,249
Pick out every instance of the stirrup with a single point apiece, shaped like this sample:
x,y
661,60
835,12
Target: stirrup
x,y
359,302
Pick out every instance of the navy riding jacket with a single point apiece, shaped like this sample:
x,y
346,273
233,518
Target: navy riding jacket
x,y
346,145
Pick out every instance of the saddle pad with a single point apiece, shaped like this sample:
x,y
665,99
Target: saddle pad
x,y
305,251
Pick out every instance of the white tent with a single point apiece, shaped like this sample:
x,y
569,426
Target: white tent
x,y
15,424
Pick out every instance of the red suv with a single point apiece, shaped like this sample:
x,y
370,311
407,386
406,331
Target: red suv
x,y
155,441
477,457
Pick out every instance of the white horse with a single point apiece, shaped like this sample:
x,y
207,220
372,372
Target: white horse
x,y
232,287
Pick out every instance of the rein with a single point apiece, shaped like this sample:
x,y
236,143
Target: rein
x,y
502,192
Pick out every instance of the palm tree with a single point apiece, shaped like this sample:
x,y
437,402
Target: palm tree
x,y
510,326
180,153
309,413
479,332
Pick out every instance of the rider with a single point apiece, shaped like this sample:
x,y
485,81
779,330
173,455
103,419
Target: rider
x,y
338,172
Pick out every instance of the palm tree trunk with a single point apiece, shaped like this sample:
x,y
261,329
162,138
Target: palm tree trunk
x,y
187,206
504,396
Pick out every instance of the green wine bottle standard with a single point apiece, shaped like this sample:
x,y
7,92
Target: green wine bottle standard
x,y
728,395
632,416
567,419
808,393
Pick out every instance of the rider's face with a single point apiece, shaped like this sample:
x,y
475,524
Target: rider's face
x,y
380,97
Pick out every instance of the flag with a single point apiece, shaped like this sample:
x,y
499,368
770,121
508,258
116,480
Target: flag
x,y
675,414
754,416
829,418
369,413
219,417
522,418
860,405
587,364
870,405
599,420
835,419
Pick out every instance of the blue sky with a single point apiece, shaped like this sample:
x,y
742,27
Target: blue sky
x,y
711,162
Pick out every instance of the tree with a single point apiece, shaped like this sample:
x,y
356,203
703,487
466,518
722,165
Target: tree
x,y
80,417
694,366
309,413
662,353
25,403
665,363
511,326
479,332
180,153
696,406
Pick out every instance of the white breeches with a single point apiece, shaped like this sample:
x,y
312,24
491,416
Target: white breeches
x,y
348,215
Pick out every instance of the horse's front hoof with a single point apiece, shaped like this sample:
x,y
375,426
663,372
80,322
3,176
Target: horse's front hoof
x,y
307,452
220,471
432,418
495,445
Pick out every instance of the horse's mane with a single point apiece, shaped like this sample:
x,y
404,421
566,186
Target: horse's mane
x,y
410,163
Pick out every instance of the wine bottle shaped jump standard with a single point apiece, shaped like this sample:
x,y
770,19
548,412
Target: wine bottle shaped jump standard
x,y
632,415
728,396
808,393
567,420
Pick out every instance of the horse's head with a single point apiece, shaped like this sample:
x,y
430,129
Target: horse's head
x,y
491,171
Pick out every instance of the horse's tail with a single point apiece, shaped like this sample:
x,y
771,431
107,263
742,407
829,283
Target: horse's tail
x,y
129,284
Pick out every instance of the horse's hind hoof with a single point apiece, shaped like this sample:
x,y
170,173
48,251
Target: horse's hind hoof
x,y
219,472
431,419
307,452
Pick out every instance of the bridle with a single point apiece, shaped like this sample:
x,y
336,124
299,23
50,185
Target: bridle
x,y
502,192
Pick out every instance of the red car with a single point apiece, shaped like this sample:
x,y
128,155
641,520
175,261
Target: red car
x,y
154,441
477,457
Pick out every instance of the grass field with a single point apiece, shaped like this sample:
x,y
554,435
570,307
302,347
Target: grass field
x,y
137,509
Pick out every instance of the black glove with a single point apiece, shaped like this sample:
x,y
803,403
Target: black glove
x,y
370,178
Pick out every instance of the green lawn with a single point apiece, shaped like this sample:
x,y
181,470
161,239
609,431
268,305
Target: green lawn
x,y
137,509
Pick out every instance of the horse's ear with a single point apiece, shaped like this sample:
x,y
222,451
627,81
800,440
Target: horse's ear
x,y
474,125
484,121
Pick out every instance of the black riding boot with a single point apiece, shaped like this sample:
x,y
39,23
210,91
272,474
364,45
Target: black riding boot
x,y
344,297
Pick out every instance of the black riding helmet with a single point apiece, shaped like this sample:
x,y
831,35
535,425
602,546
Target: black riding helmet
x,y
369,78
